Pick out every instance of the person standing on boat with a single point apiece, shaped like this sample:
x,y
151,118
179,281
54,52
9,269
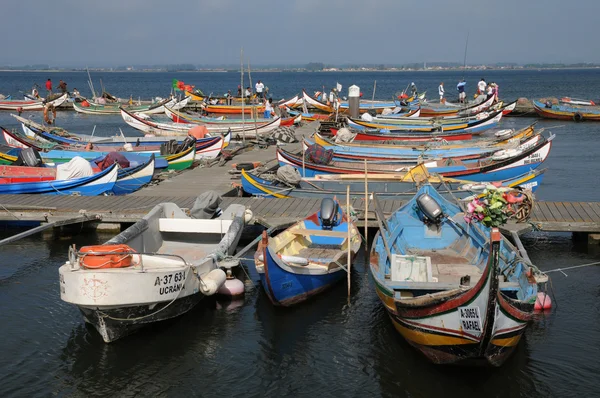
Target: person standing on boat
x,y
239,91
63,86
441,92
268,108
413,89
229,98
76,93
461,91
34,91
49,86
259,87
481,86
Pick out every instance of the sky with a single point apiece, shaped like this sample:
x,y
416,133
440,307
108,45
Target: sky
x,y
295,32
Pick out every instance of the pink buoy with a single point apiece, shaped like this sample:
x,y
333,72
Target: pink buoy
x,y
232,288
543,302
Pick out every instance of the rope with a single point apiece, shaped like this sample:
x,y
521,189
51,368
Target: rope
x,y
9,212
572,267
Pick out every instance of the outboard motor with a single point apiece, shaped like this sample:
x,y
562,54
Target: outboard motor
x,y
29,157
328,214
431,209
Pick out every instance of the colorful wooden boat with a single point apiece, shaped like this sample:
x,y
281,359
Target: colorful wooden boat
x,y
309,257
439,110
390,125
157,269
30,105
577,101
392,153
183,118
564,112
96,184
386,186
494,168
114,109
248,130
458,293
206,148
511,138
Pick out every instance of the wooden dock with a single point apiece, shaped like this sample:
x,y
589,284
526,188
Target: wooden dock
x,y
183,189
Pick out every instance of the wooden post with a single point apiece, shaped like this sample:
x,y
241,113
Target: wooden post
x,y
373,99
243,96
349,237
303,161
366,205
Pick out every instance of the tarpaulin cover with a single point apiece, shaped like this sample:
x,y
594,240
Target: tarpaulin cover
x,y
76,168
111,158
318,154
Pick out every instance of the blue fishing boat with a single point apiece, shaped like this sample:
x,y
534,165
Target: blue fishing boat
x,y
96,184
503,165
308,257
391,152
133,178
394,186
460,293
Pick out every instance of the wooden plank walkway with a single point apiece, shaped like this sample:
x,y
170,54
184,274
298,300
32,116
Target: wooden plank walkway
x,y
547,216
183,189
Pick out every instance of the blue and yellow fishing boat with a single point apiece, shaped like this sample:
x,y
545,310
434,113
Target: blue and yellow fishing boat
x,y
309,257
457,292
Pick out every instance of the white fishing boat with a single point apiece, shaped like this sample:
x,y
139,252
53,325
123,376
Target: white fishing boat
x,y
159,268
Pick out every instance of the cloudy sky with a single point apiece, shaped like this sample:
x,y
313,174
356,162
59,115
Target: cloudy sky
x,y
203,32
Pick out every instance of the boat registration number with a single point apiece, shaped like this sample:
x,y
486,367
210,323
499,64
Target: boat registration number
x,y
470,319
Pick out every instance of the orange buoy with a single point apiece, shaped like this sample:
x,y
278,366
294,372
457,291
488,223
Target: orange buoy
x,y
106,256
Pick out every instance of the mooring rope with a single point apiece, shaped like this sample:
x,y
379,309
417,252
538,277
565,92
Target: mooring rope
x,y
572,267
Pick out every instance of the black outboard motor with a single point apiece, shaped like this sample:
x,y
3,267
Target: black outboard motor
x,y
29,157
329,213
431,209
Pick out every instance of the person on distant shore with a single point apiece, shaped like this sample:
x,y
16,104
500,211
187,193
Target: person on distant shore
x,y
441,92
49,86
259,87
481,86
268,108
461,91
239,91
63,86
34,91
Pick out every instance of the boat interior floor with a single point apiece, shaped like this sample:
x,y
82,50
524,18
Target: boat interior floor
x,y
448,266
190,251
320,255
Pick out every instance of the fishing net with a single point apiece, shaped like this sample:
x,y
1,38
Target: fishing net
x,y
289,175
284,135
344,135
206,205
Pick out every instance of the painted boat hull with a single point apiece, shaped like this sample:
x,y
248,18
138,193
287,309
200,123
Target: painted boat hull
x,y
392,188
29,105
86,186
476,322
527,160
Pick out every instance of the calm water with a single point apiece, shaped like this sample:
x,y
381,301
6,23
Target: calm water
x,y
323,347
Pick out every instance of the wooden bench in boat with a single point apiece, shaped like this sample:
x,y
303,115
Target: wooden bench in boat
x,y
191,225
